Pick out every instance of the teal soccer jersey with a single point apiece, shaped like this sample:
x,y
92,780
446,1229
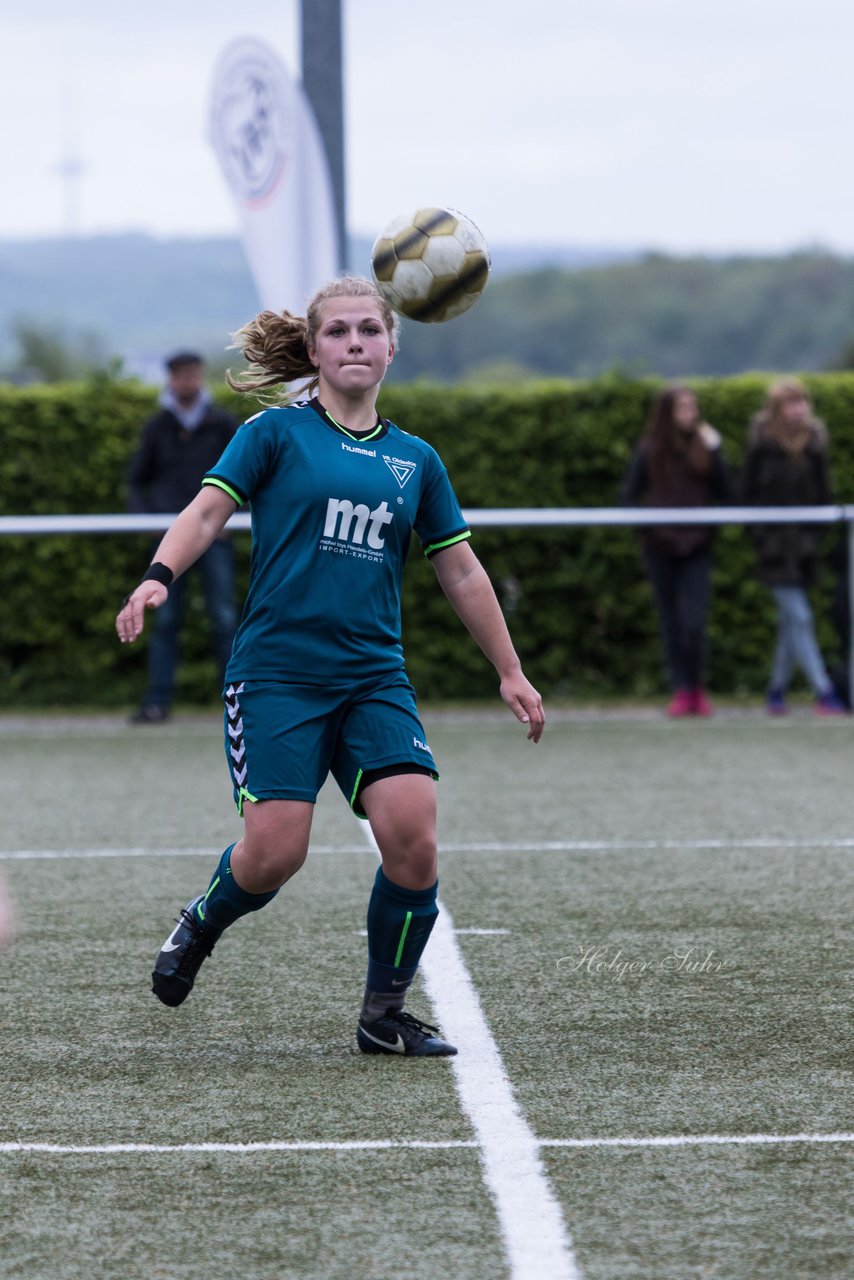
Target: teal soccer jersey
x,y
332,519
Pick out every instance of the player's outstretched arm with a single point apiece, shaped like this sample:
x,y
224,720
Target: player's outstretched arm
x,y
189,536
466,584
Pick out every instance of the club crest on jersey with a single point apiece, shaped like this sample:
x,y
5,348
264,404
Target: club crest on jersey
x,y
401,470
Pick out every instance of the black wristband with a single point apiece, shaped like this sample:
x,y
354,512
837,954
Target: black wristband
x,y
159,573
156,572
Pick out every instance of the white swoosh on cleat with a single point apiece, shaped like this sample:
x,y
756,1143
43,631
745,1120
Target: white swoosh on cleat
x,y
397,1047
169,945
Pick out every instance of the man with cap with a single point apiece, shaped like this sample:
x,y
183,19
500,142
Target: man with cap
x,y
177,447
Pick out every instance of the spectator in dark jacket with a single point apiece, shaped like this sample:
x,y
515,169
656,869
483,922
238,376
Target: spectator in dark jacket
x,y
786,465
679,463
840,672
178,445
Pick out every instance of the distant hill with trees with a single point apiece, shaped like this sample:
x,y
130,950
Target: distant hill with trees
x,y
658,315
68,305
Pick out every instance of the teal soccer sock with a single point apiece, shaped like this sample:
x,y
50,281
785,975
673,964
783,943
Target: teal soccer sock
x,y
225,901
399,925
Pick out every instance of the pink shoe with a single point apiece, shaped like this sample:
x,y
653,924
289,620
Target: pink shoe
x,y
829,705
681,704
702,706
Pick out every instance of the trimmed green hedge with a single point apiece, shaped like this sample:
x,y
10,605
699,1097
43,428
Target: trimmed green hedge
x,y
579,608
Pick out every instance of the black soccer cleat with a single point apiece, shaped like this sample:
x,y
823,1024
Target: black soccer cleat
x,y
180,958
398,1032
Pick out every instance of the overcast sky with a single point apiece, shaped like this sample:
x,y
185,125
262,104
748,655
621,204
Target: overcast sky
x,y
677,124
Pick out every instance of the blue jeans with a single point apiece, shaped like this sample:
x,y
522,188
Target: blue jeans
x,y
216,568
796,643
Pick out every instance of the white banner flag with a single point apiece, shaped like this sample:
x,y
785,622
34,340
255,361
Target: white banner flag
x,y
270,149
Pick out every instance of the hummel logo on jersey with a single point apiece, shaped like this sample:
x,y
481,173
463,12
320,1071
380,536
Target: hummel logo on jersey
x,y
402,471
347,523
416,742
352,448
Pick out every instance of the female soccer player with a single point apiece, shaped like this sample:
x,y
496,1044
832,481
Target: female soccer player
x,y
316,682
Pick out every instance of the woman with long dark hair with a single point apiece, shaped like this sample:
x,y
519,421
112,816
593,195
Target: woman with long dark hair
x,y
679,463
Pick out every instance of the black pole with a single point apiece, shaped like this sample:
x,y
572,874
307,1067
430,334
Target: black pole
x,y
322,78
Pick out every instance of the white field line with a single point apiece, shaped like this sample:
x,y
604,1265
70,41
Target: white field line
x,y
537,1243
481,933
701,1140
543,846
230,1148
206,851
414,1144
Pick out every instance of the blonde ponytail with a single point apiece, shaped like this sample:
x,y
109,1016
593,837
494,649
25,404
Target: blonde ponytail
x,y
274,345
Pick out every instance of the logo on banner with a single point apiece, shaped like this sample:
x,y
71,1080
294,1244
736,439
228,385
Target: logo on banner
x,y
252,120
269,147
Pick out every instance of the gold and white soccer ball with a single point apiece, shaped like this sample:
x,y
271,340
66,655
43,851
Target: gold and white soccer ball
x,y
431,265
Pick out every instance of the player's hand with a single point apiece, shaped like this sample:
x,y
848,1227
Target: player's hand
x,y
525,703
148,595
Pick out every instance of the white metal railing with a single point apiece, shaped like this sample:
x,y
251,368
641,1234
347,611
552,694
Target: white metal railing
x,y
511,517
498,517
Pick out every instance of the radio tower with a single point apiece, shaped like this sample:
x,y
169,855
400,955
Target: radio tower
x,y
70,169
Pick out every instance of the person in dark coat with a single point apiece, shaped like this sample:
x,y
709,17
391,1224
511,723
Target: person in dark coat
x,y
178,445
840,672
679,463
786,464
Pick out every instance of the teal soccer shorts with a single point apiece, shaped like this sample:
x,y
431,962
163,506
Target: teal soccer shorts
x,y
283,740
